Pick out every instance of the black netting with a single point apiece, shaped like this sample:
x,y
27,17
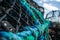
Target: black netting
x,y
14,15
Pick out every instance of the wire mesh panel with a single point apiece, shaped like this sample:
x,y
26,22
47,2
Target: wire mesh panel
x,y
10,12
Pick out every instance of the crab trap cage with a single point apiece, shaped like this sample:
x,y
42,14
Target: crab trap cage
x,y
54,17
22,20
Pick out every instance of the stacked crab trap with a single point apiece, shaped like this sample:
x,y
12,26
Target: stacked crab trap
x,y
22,20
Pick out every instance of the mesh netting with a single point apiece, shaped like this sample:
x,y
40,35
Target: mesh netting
x,y
21,21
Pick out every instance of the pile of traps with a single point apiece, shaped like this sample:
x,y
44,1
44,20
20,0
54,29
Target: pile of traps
x,y
19,20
